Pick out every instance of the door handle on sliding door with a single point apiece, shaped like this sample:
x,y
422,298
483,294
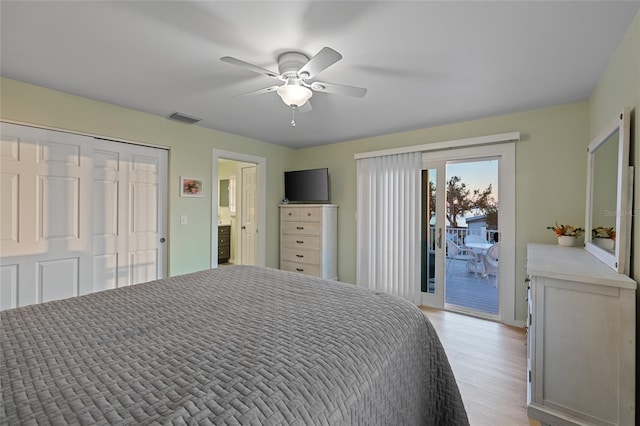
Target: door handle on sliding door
x,y
439,238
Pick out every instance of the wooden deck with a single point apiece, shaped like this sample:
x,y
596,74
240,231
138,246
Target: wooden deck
x,y
464,289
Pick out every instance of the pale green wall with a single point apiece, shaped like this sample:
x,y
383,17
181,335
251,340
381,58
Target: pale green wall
x,y
550,175
552,138
191,155
619,87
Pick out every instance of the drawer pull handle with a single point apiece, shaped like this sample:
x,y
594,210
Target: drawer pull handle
x,y
300,227
300,242
308,214
289,214
299,255
299,269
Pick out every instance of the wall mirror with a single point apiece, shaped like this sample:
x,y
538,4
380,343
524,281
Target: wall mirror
x,y
609,192
223,193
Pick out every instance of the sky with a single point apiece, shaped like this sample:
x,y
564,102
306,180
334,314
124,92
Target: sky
x,y
477,175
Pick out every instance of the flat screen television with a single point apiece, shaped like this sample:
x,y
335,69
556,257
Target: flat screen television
x,y
307,186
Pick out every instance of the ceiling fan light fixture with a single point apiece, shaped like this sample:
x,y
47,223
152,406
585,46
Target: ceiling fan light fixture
x,y
294,95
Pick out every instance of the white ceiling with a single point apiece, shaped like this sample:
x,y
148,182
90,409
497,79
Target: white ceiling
x,y
424,63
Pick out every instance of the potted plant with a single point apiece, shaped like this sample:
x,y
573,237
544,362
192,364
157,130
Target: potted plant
x,y
567,234
604,237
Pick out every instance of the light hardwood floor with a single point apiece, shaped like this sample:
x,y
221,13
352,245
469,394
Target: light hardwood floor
x,y
489,361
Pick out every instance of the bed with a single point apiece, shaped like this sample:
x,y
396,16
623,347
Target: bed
x,y
235,345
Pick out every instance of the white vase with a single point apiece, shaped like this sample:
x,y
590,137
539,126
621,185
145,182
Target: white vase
x,y
567,241
605,243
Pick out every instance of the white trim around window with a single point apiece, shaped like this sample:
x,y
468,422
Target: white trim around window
x,y
445,145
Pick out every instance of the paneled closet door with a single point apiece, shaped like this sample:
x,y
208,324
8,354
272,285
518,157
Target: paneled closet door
x,y
77,215
45,232
129,231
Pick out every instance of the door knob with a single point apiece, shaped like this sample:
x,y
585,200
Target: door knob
x,y
162,240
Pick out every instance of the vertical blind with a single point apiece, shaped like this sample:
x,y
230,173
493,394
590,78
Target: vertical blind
x,y
388,206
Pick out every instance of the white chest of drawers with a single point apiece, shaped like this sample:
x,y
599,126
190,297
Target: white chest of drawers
x,y
581,339
308,239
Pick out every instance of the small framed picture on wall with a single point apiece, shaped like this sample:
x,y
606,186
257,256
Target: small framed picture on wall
x,y
190,187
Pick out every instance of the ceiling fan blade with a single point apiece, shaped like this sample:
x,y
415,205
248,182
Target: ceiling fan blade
x,y
259,91
247,65
339,89
321,61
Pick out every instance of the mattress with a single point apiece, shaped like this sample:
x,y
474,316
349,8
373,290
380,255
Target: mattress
x,y
235,345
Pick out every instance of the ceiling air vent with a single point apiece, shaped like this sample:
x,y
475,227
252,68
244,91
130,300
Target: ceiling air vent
x,y
183,118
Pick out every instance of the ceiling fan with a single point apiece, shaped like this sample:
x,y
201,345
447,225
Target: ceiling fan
x,y
297,70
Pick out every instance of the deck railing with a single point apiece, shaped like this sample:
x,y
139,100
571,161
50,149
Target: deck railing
x,y
457,235
469,291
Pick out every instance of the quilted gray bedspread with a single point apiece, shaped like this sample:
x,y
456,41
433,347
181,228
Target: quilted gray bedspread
x,y
232,346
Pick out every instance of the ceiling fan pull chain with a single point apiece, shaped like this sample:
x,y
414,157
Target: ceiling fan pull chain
x,y
293,116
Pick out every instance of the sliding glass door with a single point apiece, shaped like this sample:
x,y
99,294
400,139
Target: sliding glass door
x,y
462,264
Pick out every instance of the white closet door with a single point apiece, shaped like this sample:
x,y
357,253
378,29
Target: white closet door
x,y
77,215
45,233
130,226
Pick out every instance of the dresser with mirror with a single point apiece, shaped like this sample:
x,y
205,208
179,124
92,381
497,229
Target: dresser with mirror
x,y
581,322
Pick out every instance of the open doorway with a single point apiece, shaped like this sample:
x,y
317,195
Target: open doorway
x,y
238,209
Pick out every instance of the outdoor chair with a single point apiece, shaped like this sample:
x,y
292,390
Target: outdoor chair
x,y
455,252
491,260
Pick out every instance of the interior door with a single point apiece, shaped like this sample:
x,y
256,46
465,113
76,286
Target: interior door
x,y
433,239
45,233
249,227
130,227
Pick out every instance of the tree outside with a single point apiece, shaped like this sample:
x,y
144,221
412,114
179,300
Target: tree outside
x,y
462,200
